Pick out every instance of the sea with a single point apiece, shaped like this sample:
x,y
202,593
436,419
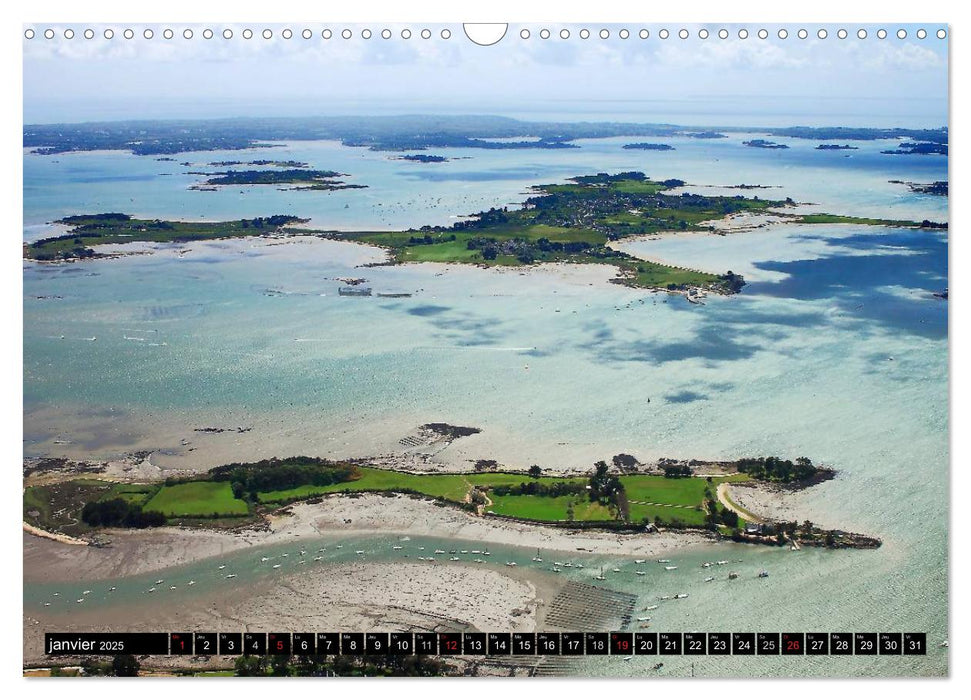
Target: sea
x,y
837,350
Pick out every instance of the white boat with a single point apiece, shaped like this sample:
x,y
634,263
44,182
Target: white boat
x,y
397,546
722,562
318,558
510,563
706,565
680,596
264,559
670,568
709,579
276,566
601,577
85,592
640,561
651,607
361,551
557,563
454,559
112,588
616,571
477,551
641,573
556,570
223,566
230,575
663,561
732,575
763,574
322,549
340,546
171,588
160,582
302,552
628,658
579,566
80,600
57,594
463,551
643,619
487,554
439,551
46,604
191,583
152,589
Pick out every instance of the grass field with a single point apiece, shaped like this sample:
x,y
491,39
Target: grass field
x,y
451,487
197,499
136,494
548,508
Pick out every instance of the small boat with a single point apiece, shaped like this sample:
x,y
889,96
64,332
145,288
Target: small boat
x,y
664,597
80,600
663,561
510,563
709,579
340,546
651,607
57,594
706,565
557,563
763,574
322,549
601,577
302,552
640,561
439,551
85,592
641,573
479,561
463,551
477,551
361,551
732,575
722,562
681,596
643,619
276,566
453,551
171,588
318,558
670,568
223,566
112,589
46,604
230,575
616,571
628,658
397,546
264,559
152,589
487,554
454,559
556,570
191,583
579,566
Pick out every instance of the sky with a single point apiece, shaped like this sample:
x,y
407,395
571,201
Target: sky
x,y
713,81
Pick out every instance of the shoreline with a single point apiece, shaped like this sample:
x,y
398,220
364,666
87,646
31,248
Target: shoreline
x,y
137,552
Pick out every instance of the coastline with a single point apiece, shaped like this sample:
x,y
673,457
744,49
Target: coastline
x,y
136,552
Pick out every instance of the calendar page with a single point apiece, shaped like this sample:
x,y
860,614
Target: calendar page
x,y
524,350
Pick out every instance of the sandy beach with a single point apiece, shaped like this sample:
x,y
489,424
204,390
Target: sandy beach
x,y
364,597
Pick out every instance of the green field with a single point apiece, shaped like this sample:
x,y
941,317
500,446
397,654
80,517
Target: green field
x,y
451,487
197,499
548,508
136,494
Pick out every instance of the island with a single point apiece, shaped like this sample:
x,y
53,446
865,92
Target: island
x,y
649,147
836,147
939,188
99,229
918,148
762,143
623,496
422,158
298,178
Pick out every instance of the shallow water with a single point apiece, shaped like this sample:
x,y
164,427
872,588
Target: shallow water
x,y
836,350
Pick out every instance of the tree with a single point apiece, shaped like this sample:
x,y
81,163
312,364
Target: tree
x,y
125,665
535,471
250,666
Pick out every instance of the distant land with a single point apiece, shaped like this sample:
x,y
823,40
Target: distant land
x,y
649,146
410,133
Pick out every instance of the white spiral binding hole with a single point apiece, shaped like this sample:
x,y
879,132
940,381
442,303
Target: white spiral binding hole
x,y
544,33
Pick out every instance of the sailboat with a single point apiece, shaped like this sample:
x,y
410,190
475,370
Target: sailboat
x,y
601,577
537,557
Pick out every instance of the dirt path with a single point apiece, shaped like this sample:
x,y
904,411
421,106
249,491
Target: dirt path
x,y
724,498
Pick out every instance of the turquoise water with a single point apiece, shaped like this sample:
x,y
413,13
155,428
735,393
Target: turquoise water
x,y
555,370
